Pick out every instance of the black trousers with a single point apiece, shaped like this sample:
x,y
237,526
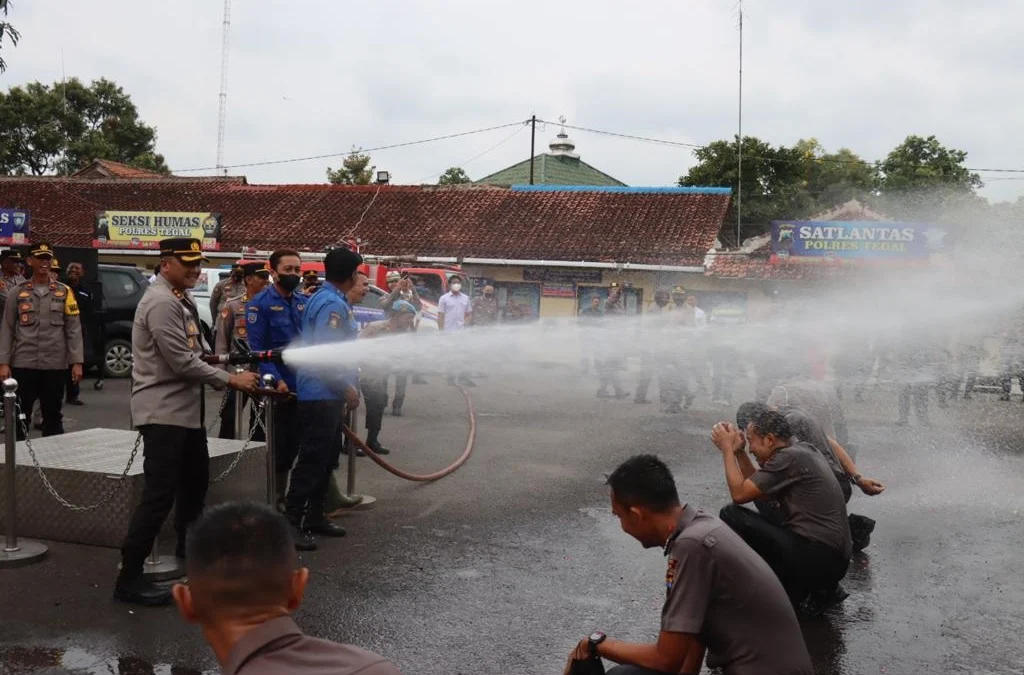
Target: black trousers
x,y
47,387
177,473
71,389
802,565
287,434
319,451
375,393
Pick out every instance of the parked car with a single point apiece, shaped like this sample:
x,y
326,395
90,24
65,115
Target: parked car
x,y
122,287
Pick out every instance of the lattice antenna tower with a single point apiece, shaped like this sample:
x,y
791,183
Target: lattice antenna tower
x,y
222,108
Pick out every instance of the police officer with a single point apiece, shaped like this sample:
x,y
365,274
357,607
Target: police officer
x,y
648,355
373,377
611,362
226,289
11,267
233,337
167,407
40,338
323,396
274,318
310,282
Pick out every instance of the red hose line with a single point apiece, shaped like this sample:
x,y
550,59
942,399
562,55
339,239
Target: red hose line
x,y
424,478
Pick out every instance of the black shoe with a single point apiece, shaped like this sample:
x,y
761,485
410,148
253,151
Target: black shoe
x,y
396,411
323,527
861,528
641,400
140,591
820,601
1004,397
359,451
379,449
75,401
303,542
601,393
967,396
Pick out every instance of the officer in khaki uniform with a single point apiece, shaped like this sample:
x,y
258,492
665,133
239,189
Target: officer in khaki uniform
x,y
168,376
225,289
40,337
11,268
233,336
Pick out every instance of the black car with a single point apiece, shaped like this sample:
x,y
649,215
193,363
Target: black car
x,y
122,287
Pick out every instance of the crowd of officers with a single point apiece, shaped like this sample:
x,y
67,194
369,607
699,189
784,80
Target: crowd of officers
x,y
262,307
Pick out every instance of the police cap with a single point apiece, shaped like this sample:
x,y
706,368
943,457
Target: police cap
x,y
40,250
185,249
11,254
253,268
678,290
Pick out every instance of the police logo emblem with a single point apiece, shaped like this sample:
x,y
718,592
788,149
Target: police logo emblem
x,y
195,246
670,573
334,320
252,317
241,331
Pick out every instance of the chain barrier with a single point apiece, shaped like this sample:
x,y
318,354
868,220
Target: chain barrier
x,y
49,486
257,410
212,426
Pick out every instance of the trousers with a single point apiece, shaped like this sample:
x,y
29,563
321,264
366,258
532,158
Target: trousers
x,y
401,383
47,387
176,472
227,417
287,434
375,393
802,565
319,451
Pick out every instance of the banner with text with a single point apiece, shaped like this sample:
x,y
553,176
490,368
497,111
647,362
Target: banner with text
x,y
145,229
13,226
865,240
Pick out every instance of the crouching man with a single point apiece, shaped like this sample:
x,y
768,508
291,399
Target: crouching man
x,y
811,549
243,586
721,595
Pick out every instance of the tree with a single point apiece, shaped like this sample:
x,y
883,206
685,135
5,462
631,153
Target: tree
x,y
454,176
355,170
921,178
8,31
61,128
833,178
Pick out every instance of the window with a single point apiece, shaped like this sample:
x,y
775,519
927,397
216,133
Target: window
x,y
428,286
118,284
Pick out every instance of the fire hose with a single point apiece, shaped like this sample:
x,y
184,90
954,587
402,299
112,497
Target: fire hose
x,y
276,356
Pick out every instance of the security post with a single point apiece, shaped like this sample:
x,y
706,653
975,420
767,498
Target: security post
x,y
25,551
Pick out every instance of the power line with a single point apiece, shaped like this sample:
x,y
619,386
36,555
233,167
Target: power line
x,y
481,154
345,154
835,160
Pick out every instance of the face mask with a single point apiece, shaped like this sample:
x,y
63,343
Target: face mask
x,y
289,282
456,287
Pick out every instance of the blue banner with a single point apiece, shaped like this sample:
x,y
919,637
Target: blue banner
x,y
13,226
856,239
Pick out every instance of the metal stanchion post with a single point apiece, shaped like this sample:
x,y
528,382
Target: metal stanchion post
x,y
268,431
362,501
16,552
161,567
239,411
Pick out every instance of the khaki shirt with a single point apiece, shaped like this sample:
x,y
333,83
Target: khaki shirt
x,y
6,284
373,372
168,373
225,289
485,311
41,327
278,646
232,331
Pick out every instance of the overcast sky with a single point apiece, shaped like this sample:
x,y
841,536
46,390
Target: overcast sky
x,y
311,77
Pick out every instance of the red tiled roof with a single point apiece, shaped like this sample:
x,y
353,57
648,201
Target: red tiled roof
x,y
727,265
463,222
105,168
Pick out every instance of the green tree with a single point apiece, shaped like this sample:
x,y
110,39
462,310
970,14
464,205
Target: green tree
x,y
61,128
8,31
921,178
354,170
833,178
454,176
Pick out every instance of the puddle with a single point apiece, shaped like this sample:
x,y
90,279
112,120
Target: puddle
x,y
16,660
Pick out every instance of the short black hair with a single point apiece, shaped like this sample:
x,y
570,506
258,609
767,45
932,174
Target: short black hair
x,y
774,423
340,264
243,552
644,480
748,412
276,256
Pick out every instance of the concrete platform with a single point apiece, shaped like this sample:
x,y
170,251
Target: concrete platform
x,y
85,466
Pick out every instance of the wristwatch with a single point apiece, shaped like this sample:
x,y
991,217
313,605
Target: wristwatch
x,y
595,639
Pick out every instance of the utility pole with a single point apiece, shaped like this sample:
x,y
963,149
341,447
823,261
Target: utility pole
x,y
533,140
739,145
222,111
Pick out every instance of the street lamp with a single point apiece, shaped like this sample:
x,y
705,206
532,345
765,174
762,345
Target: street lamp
x,y
383,177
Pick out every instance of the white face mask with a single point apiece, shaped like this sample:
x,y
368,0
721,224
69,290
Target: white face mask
x,y
456,287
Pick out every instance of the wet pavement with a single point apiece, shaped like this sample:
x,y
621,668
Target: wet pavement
x,y
501,567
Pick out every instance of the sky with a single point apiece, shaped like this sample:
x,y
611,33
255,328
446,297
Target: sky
x,y
316,77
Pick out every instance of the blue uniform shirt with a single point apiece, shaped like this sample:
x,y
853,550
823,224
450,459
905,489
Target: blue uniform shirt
x,y
274,323
328,318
